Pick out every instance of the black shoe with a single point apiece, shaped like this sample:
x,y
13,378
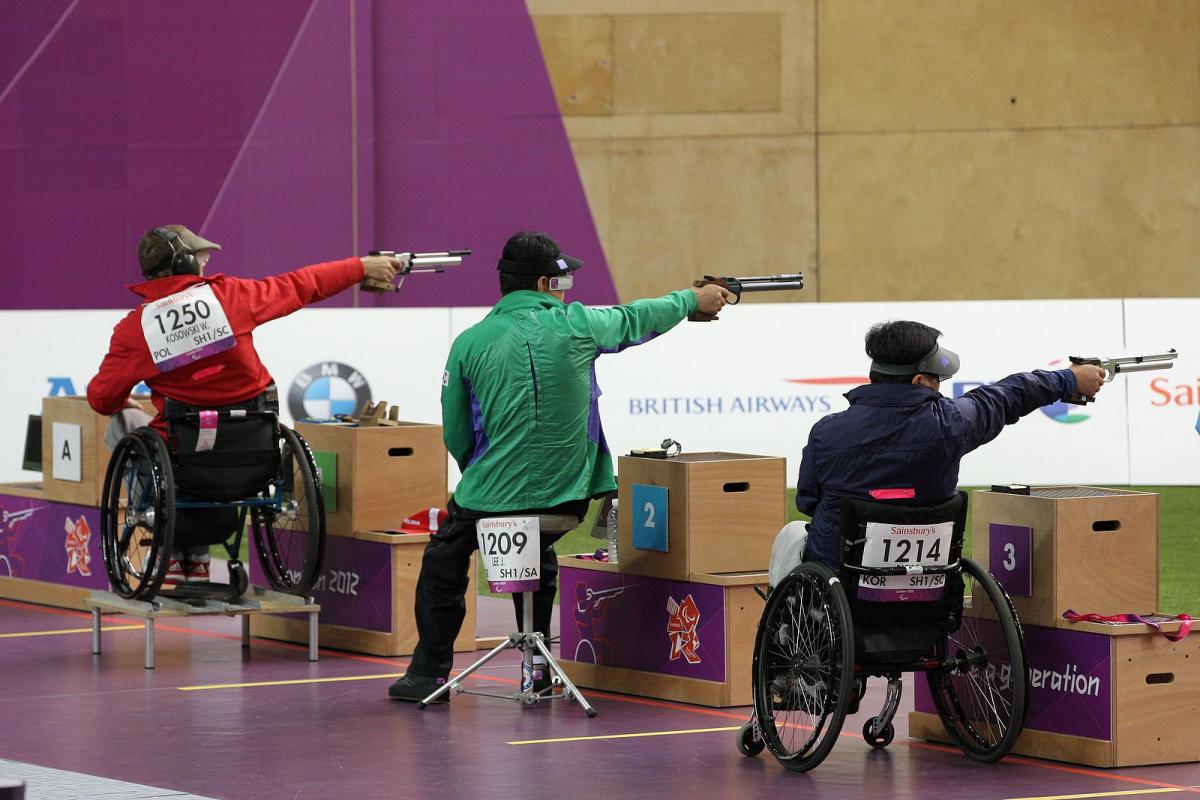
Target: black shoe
x,y
415,688
542,681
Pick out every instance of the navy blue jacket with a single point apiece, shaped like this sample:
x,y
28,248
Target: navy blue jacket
x,y
903,436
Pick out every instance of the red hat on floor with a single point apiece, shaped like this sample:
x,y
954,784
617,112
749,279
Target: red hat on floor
x,y
427,520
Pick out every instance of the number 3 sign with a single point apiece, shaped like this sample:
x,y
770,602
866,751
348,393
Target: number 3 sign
x,y
1010,557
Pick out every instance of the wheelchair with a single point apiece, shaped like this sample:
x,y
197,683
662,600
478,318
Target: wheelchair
x,y
824,632
201,491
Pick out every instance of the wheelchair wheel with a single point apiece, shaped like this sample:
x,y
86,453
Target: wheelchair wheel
x,y
803,667
291,541
885,736
137,515
982,700
749,743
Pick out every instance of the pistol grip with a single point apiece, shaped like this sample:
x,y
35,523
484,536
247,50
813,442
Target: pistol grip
x,y
1080,399
369,285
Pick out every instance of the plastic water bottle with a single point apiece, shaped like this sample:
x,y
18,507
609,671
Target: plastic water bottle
x,y
612,533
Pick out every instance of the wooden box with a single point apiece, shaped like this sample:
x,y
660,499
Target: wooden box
x,y
723,511
1069,547
365,590
49,551
1101,695
381,474
688,641
75,458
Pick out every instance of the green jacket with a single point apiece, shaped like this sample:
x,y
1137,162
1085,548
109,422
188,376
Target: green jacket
x,y
520,409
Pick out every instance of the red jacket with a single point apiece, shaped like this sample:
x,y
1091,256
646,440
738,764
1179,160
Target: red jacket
x,y
225,377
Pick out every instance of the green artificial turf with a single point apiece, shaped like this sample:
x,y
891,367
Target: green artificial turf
x,y
1179,545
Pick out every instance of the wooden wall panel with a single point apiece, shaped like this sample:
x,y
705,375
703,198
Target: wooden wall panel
x,y
684,67
578,54
678,63
1072,213
955,64
718,206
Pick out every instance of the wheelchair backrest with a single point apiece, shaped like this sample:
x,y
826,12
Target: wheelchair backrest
x,y
223,453
900,571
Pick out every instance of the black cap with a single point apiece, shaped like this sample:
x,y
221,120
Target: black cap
x,y
562,265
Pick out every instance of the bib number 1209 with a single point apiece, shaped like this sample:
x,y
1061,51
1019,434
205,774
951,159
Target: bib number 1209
x,y
503,543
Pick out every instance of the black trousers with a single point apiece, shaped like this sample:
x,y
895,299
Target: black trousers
x,y
443,584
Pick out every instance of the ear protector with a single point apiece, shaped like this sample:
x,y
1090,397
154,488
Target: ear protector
x,y
938,361
180,260
561,283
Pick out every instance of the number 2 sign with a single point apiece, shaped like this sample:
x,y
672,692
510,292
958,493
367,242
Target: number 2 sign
x,y
649,521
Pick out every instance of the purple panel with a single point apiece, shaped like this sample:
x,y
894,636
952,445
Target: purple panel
x,y
1010,557
648,624
120,123
242,129
56,542
1071,682
287,200
354,588
483,152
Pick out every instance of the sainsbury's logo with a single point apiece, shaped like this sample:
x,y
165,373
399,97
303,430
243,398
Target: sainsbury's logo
x,y
1167,393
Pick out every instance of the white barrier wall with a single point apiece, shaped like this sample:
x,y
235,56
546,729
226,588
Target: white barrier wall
x,y
753,382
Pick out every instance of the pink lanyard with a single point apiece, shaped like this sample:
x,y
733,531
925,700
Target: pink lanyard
x,y
1185,622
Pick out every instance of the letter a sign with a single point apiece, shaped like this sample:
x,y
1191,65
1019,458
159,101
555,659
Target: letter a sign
x,y
66,449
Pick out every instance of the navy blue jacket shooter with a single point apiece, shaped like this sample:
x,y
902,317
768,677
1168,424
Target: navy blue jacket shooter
x,y
901,436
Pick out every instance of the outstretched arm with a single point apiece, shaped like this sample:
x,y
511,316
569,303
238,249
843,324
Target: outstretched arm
x,y
280,295
619,327
987,409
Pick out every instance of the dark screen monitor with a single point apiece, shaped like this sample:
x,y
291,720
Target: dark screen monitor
x,y
33,444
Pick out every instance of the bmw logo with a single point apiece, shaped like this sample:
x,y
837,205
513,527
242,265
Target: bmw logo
x,y
325,390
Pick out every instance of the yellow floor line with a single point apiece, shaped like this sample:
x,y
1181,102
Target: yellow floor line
x,y
69,630
626,735
287,683
1099,794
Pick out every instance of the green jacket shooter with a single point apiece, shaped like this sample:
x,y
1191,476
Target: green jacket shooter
x,y
520,409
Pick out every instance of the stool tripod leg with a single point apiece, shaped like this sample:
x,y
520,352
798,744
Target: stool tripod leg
x,y
449,685
562,676
149,642
95,630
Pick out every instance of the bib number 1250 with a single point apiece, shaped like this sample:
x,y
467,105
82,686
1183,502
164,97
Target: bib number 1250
x,y
181,317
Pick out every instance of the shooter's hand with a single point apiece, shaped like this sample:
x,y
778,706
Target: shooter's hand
x,y
380,268
711,298
1088,379
131,402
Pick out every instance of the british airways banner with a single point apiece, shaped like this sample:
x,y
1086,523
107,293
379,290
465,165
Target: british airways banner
x,y
754,382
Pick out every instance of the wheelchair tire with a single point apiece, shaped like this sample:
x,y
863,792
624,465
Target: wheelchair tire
x,y
291,541
983,699
803,672
885,736
137,515
748,744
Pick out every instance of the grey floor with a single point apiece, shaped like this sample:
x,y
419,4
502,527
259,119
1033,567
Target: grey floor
x,y
43,783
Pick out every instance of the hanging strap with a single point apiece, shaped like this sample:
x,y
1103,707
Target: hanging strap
x,y
1185,622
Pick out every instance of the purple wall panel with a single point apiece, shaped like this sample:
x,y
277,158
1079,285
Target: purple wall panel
x,y
113,120
484,153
